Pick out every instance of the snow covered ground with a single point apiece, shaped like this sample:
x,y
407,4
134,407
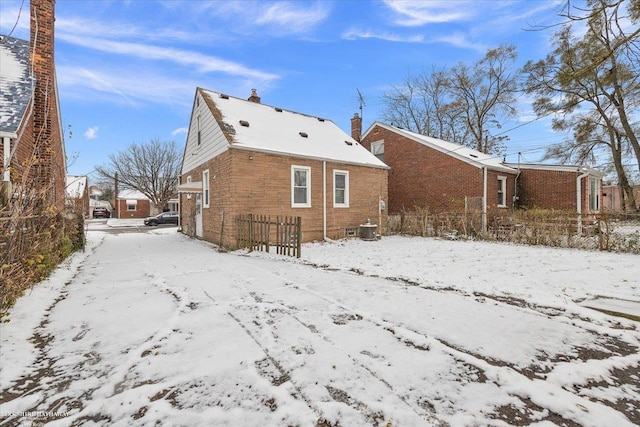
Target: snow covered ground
x,y
153,328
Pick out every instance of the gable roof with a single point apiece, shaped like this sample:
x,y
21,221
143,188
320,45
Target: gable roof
x,y
75,186
460,152
259,127
16,84
131,195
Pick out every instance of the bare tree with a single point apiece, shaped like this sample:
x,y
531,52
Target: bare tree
x,y
484,94
151,168
461,105
597,72
422,104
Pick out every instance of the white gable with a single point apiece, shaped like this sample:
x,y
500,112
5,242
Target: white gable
x,y
278,131
466,154
75,186
131,195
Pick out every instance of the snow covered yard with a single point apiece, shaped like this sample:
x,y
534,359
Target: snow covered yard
x,y
156,329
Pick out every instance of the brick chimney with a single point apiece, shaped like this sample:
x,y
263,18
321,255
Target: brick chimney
x,y
48,150
254,97
356,127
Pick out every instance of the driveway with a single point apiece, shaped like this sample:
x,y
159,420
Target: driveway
x,y
154,328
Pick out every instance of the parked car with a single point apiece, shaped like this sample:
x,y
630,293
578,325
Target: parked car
x,y
163,218
101,212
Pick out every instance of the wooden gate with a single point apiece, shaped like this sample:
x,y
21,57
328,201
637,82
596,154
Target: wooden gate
x,y
259,232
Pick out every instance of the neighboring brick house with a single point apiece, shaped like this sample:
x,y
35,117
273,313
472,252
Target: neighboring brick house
x,y
244,157
32,146
443,176
568,188
77,195
611,196
132,204
436,174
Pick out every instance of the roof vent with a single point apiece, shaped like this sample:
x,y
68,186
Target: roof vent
x,y
303,134
320,119
223,96
348,142
244,123
278,109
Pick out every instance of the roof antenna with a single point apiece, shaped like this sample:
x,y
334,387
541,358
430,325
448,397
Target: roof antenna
x,y
361,101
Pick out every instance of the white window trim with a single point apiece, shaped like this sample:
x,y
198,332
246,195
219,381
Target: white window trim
x,y
502,185
374,148
596,196
188,181
346,188
206,190
293,177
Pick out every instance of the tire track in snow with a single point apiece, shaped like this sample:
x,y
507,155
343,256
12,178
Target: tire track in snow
x,y
502,374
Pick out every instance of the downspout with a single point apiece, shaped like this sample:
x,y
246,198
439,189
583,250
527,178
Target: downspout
x,y
6,163
579,199
484,199
324,200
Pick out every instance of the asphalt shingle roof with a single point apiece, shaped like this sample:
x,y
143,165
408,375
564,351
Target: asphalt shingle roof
x,y
16,84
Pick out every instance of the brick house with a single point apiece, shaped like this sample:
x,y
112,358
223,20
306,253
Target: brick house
x,y
442,176
32,146
611,199
568,188
132,204
245,157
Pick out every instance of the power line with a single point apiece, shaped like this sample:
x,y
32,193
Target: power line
x,y
17,19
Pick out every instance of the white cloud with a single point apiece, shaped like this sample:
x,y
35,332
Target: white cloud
x,y
460,40
290,17
180,131
204,63
92,132
365,34
415,13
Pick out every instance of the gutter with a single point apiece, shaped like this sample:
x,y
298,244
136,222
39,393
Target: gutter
x,y
579,192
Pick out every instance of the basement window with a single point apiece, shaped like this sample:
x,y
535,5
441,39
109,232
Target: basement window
x,y
244,123
304,134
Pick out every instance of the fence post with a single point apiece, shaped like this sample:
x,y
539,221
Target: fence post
x,y
298,236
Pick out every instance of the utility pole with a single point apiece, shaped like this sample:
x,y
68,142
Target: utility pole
x,y
115,195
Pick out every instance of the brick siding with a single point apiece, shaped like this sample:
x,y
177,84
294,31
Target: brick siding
x,y
243,182
421,176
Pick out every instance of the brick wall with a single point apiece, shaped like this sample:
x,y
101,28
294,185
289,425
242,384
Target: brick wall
x,y
143,209
421,176
548,189
48,146
244,182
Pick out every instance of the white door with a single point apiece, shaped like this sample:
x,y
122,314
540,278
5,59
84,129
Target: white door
x,y
199,215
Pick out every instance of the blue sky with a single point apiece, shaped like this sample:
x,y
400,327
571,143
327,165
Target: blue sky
x,y
127,70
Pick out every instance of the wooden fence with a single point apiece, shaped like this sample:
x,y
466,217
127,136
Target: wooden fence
x,y
259,232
